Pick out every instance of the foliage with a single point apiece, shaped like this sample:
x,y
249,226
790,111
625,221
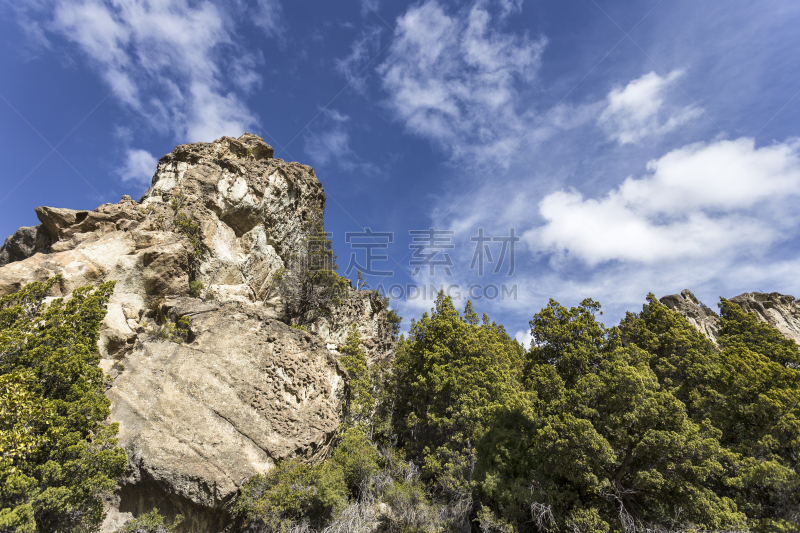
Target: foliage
x,y
359,401
187,224
648,426
24,418
290,494
747,392
356,458
361,282
758,378
392,317
451,374
596,439
309,283
150,522
195,288
177,332
58,456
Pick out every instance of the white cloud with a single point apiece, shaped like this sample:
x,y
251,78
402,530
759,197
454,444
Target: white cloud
x,y
638,110
698,201
510,7
139,167
369,5
524,337
327,146
362,51
268,17
177,65
456,80
328,143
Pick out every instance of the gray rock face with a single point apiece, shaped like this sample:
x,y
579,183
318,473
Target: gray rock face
x,y
779,310
197,419
25,242
688,305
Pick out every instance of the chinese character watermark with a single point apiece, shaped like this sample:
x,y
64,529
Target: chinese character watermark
x,y
482,251
427,245
369,247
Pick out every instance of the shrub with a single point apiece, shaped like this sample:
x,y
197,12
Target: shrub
x,y
195,289
187,224
57,455
151,522
177,332
359,401
289,495
357,460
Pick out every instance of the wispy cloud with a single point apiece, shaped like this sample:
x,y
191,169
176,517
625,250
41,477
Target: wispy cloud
x,y
454,78
328,143
638,110
139,167
168,62
369,5
362,51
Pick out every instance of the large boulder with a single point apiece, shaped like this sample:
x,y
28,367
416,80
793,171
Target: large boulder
x,y
244,390
200,418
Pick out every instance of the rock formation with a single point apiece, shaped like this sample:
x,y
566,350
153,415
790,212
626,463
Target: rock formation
x,y
243,389
779,310
688,305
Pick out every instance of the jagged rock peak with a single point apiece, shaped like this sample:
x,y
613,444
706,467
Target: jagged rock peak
x,y
780,310
687,304
244,389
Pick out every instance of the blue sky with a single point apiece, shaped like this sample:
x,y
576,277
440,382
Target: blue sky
x,y
632,146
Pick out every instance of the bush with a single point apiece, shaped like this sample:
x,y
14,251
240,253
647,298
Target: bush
x,y
57,455
177,332
151,522
290,494
357,460
195,289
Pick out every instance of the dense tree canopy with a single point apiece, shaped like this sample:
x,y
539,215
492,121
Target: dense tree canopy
x,y
57,456
648,426
451,374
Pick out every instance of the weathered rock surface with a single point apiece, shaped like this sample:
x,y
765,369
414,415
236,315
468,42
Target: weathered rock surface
x,y
198,419
688,305
779,310
25,242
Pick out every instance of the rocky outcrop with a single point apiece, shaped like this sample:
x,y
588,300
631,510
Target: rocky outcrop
x,y
779,310
244,390
200,418
25,242
689,306
368,310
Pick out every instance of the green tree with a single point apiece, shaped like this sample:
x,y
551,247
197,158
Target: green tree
x,y
450,375
748,390
359,401
759,418
59,457
595,441
684,360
